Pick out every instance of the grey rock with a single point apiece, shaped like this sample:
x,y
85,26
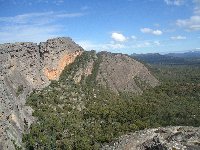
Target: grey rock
x,y
120,73
152,144
168,138
28,66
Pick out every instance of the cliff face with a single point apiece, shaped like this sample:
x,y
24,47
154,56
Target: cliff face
x,y
25,67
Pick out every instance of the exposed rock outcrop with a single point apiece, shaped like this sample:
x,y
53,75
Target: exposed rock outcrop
x,y
169,138
117,72
25,67
121,73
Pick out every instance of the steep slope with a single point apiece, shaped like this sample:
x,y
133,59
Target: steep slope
x,y
25,67
117,72
120,73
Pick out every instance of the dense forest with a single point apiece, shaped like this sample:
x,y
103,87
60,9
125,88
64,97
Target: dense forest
x,y
86,115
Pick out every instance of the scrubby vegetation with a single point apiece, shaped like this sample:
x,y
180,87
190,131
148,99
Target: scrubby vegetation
x,y
86,115
20,89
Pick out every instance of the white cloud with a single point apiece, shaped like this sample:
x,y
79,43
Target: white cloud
x,y
45,17
69,15
146,30
133,37
192,23
179,37
33,27
27,2
157,32
174,2
151,31
118,37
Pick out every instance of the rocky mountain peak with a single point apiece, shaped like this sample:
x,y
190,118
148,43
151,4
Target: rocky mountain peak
x,y
26,66
62,49
123,74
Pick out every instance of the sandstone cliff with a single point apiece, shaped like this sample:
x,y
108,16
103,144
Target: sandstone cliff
x,y
25,67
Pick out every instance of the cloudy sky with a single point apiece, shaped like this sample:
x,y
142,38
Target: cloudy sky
x,y
127,26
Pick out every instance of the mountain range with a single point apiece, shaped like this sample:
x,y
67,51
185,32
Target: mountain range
x,y
190,57
26,67
56,95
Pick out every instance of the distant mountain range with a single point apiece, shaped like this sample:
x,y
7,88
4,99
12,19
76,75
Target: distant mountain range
x,y
190,57
189,54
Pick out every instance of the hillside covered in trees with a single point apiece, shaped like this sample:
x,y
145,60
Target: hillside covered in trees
x,y
86,115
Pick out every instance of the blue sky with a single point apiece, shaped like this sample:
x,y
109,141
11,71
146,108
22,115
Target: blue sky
x,y
125,26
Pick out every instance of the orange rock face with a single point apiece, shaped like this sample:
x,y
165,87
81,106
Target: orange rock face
x,y
65,60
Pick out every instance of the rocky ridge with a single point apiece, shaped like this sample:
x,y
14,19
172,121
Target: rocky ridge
x,y
26,66
117,72
120,73
169,138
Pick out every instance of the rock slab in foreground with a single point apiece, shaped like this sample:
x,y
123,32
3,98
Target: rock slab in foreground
x,y
169,138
